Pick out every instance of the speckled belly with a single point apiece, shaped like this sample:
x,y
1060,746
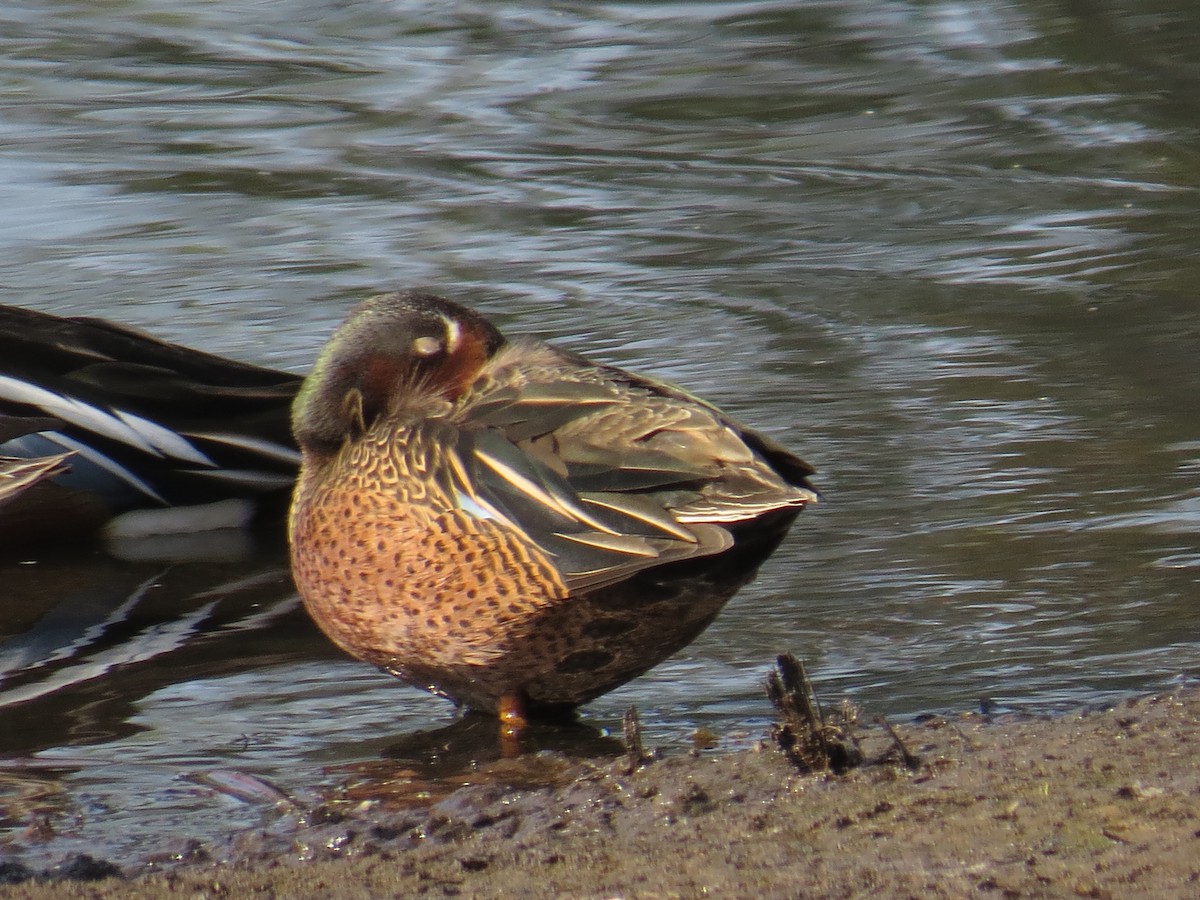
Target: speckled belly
x,y
468,607
465,608
425,594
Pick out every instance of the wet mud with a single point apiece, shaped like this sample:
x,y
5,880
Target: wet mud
x,y
1102,803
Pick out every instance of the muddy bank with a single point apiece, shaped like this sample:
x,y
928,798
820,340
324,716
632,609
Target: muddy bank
x,y
1102,804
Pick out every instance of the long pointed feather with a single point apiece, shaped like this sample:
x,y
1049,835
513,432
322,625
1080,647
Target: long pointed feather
x,y
283,453
101,461
75,412
614,543
166,441
256,479
641,509
558,501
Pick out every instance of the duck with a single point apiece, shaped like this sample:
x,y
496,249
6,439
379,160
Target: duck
x,y
510,525
98,421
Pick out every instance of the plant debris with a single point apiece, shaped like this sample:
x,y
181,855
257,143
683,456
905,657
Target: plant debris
x,y
635,753
808,741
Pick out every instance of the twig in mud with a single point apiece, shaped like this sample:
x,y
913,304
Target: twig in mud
x,y
812,744
912,762
632,730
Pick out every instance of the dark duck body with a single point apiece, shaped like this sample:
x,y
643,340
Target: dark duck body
x,y
511,525
97,419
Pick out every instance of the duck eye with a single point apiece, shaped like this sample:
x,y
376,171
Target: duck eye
x,y
427,346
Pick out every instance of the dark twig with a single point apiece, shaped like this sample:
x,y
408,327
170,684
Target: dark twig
x,y
912,762
632,730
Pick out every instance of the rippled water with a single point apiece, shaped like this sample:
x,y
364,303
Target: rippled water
x,y
946,250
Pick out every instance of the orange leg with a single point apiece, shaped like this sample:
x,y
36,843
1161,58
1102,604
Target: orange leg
x,y
511,710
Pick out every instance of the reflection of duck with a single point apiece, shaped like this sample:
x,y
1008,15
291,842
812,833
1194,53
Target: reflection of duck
x,y
85,638
427,767
142,423
511,525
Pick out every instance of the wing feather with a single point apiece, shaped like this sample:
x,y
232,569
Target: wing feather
x,y
607,473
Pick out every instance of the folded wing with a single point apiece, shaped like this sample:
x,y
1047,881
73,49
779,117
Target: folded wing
x,y
609,473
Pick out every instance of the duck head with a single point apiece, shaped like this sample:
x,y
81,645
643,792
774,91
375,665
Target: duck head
x,y
394,352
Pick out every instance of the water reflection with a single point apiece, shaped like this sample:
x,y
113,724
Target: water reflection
x,y
945,250
88,638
